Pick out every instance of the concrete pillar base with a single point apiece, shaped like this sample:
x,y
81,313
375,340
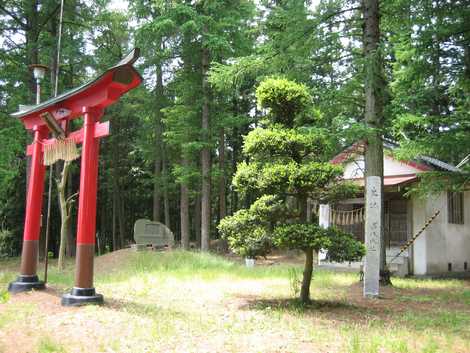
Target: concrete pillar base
x,y
82,296
25,283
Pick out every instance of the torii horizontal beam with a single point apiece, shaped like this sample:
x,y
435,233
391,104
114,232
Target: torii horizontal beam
x,y
101,130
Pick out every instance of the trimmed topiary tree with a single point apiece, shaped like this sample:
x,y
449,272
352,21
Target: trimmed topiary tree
x,y
286,165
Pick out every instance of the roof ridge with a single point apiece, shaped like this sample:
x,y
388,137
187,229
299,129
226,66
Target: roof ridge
x,y
391,145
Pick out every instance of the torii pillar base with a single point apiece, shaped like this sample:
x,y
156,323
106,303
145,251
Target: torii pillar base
x,y
82,296
25,283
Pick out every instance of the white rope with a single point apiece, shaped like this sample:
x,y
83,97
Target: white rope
x,y
340,217
65,149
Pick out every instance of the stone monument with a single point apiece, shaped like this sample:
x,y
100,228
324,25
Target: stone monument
x,y
151,233
372,236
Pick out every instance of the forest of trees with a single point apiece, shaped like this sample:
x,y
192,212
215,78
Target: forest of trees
x,y
176,140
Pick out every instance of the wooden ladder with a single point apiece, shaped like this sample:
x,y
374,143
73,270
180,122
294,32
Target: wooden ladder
x,y
412,240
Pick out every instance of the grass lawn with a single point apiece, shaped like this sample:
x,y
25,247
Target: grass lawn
x,y
190,302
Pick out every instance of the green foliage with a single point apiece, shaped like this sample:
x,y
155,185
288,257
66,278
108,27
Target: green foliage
x,y
429,99
48,345
4,296
228,78
294,281
9,243
343,246
338,191
269,207
340,246
296,144
301,236
286,100
433,183
290,178
13,138
249,231
252,244
244,233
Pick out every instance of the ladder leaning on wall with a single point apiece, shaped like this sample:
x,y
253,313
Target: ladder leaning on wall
x,y
412,240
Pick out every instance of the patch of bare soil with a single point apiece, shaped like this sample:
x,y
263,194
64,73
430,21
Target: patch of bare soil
x,y
113,261
47,300
23,339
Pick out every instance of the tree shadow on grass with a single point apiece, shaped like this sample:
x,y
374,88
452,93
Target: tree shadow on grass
x,y
142,309
378,312
292,305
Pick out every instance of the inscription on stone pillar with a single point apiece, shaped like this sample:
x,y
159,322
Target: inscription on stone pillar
x,y
324,222
324,215
373,228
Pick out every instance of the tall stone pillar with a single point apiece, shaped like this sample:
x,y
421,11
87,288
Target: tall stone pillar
x,y
373,227
324,222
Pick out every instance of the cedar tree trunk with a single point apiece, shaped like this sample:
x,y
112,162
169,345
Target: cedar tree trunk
x,y
374,87
205,157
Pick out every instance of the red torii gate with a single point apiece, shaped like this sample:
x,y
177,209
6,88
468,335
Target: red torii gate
x,y
89,101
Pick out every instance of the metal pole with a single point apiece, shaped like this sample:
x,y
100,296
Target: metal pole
x,y
49,200
59,41
38,91
48,225
46,245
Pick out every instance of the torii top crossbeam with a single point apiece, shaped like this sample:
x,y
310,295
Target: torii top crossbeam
x,y
96,94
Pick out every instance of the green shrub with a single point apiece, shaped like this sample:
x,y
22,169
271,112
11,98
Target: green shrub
x,y
285,99
248,232
340,246
9,244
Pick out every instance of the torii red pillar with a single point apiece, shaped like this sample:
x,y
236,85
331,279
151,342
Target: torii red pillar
x,y
28,278
83,291
89,101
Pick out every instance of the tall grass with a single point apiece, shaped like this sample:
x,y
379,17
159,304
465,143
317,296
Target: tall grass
x,y
183,265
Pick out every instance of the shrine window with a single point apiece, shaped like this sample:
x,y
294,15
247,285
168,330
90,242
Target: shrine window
x,y
455,207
